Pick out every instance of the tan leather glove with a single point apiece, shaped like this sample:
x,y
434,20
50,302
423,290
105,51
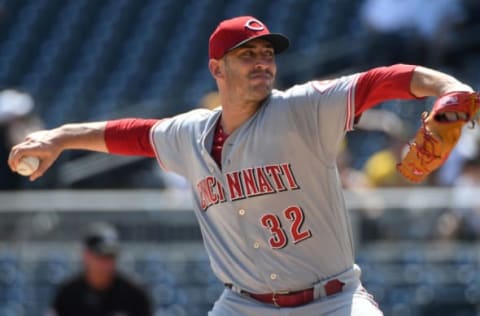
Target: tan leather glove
x,y
438,134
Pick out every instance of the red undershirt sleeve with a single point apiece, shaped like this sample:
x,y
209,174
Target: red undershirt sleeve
x,y
129,137
382,84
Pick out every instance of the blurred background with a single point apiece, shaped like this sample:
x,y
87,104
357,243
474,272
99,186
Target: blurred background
x,y
80,60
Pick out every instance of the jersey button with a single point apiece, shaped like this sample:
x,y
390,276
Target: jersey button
x,y
273,276
241,212
256,245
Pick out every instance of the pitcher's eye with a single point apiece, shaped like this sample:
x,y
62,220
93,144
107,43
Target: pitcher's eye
x,y
247,53
269,53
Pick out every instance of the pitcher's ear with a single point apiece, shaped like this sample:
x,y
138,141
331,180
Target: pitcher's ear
x,y
215,68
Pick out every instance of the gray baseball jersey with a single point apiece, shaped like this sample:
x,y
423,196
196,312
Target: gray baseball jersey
x,y
273,217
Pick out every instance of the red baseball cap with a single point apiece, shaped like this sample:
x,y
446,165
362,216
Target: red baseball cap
x,y
235,32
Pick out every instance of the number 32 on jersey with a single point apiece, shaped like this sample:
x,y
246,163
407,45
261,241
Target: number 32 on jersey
x,y
295,217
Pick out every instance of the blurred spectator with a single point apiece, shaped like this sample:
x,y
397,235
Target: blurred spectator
x,y
383,120
465,188
17,119
350,177
100,290
416,31
210,101
386,23
434,31
380,168
465,150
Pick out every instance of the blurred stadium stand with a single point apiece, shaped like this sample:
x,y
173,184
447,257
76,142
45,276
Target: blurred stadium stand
x,y
91,60
88,59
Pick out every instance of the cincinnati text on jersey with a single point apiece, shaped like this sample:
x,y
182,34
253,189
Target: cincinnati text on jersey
x,y
246,183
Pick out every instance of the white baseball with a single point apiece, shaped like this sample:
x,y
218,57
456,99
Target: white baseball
x,y
28,165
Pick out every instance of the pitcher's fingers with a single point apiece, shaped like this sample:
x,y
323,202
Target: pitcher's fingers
x,y
13,158
9,159
42,168
23,150
17,153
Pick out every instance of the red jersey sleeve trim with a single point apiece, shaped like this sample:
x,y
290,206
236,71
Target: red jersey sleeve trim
x,y
349,119
381,84
129,137
152,144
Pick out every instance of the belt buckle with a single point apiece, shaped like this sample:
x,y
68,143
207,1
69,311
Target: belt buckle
x,y
274,297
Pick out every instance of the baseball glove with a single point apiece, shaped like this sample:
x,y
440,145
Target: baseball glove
x,y
438,134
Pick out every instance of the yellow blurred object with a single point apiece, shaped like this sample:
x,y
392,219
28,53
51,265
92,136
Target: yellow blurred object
x,y
210,101
380,169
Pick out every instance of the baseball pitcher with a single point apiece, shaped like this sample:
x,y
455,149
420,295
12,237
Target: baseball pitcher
x,y
262,167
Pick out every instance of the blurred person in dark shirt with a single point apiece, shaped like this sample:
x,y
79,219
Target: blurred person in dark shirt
x,y
100,290
465,195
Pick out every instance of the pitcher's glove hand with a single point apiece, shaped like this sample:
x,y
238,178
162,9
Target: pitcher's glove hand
x,y
438,134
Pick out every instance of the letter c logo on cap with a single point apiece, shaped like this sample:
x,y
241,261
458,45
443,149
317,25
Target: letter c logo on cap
x,y
254,25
